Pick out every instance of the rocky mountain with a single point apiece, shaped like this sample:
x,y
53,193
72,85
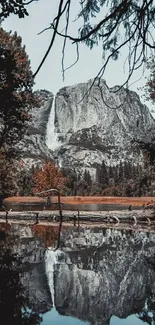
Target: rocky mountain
x,y
100,126
33,147
81,130
105,273
95,275
31,253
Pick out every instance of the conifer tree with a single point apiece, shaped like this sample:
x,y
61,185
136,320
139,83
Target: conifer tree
x,y
121,172
87,177
16,89
127,170
103,179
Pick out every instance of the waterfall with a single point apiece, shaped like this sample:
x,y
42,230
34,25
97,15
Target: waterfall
x,y
51,259
52,141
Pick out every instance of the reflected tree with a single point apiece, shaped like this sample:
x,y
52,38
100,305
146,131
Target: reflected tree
x,y
14,308
148,313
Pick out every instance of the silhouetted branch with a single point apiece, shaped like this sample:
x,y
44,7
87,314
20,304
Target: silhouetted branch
x,y
60,12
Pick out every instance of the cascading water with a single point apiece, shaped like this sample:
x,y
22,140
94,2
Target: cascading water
x,y
51,259
51,136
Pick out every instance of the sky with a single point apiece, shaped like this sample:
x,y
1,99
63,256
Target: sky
x,y
41,13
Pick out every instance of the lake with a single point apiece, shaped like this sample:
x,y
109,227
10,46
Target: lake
x,y
97,276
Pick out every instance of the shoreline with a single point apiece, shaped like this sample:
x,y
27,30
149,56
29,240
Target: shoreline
x,y
86,224
71,200
116,216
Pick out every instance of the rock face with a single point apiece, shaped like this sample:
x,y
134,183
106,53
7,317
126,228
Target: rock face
x,y
105,272
33,146
95,275
31,253
98,127
81,131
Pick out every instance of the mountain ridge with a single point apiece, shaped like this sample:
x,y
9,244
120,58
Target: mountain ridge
x,y
81,131
90,125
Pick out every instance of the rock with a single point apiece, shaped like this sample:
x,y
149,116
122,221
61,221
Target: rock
x,y
101,126
81,131
31,255
33,147
105,272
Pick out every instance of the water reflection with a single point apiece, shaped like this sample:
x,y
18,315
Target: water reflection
x,y
13,303
98,207
98,276
106,273
24,292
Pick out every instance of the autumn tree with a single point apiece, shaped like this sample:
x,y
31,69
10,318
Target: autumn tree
x,y
16,94
49,176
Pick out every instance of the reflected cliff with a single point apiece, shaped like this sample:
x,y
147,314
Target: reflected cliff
x,y
24,291
98,276
100,273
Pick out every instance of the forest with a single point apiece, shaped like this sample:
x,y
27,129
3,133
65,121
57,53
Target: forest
x,y
124,179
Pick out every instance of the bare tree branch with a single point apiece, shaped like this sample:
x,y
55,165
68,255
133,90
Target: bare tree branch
x,y
53,37
77,57
65,39
126,22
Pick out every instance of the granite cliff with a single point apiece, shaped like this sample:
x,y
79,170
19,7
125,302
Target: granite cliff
x,y
99,127
30,252
96,274
33,147
81,131
101,273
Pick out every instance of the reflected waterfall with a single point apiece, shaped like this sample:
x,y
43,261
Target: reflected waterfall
x,y
52,258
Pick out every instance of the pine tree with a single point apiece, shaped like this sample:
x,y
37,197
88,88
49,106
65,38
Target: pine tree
x,y
16,94
111,172
127,170
87,177
121,172
97,175
8,175
103,176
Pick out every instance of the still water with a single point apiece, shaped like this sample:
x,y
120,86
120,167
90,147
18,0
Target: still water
x,y
97,276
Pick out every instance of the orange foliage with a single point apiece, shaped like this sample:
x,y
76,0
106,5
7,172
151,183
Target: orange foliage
x,y
48,177
49,234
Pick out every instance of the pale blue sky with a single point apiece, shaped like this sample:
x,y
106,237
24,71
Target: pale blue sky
x,y
50,76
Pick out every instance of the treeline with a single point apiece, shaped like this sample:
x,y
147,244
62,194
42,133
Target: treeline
x,y
124,179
